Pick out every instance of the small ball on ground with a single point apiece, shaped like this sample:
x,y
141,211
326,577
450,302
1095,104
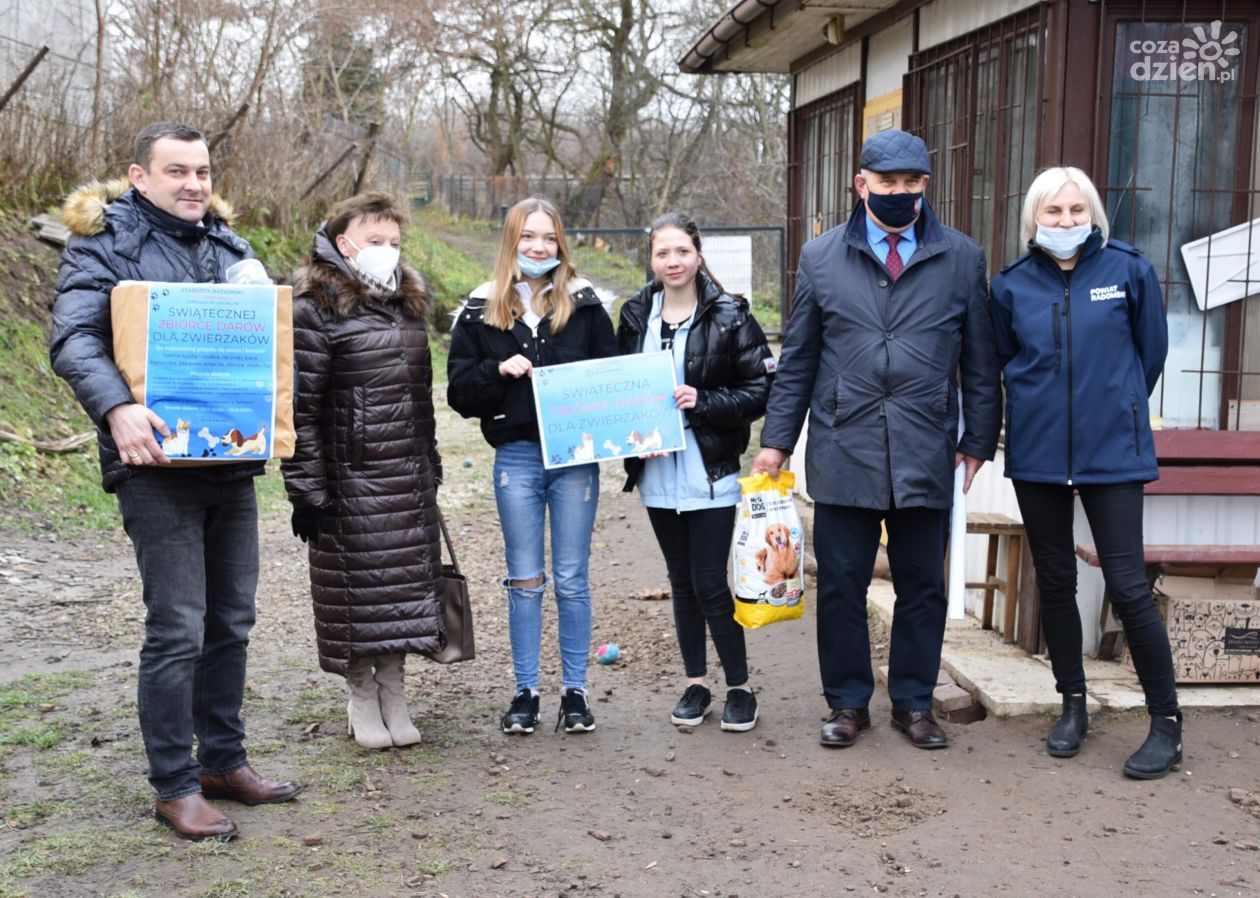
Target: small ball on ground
x,y
607,653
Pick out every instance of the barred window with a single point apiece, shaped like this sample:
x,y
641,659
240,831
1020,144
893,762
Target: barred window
x,y
974,101
822,154
1180,167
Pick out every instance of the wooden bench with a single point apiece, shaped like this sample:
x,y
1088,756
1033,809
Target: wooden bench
x,y
1019,594
1191,463
1206,463
1206,560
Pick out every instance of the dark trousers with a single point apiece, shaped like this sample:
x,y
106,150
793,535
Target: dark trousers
x,y
1114,511
697,546
845,542
196,543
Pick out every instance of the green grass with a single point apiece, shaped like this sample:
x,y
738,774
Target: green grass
x,y
21,721
32,813
451,273
79,763
431,782
78,852
41,689
41,737
503,797
436,866
270,489
280,252
64,489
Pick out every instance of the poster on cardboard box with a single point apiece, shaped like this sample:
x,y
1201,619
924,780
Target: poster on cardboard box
x,y
215,364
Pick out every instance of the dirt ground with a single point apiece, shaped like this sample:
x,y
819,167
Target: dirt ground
x,y
636,809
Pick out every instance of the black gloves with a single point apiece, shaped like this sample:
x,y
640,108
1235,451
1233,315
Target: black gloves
x,y
306,524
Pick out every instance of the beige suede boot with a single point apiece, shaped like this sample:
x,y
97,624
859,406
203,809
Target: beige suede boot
x,y
366,725
389,676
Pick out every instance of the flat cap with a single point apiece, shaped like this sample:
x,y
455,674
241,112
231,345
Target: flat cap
x,y
890,151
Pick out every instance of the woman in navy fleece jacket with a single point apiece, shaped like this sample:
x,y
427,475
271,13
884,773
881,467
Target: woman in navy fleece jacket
x,y
1081,336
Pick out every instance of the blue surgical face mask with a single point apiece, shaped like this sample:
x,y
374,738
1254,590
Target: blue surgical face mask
x,y
535,268
1063,243
894,209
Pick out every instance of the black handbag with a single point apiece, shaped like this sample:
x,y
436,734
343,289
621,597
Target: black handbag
x,y
456,609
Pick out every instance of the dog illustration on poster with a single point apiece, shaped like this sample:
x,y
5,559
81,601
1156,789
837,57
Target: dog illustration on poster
x,y
246,445
639,443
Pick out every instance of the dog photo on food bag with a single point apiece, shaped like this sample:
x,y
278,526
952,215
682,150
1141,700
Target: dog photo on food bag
x,y
779,561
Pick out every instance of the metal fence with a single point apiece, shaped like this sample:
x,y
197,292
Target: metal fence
x,y
751,261
480,197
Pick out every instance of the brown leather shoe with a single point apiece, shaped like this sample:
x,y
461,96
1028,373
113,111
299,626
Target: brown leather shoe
x,y
842,726
920,728
194,818
246,786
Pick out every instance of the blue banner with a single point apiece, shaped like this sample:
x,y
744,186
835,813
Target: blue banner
x,y
605,409
210,372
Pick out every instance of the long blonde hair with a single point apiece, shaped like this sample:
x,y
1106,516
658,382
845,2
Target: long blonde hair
x,y
504,305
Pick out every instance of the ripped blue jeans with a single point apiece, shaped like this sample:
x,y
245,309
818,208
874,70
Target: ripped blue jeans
x,y
524,491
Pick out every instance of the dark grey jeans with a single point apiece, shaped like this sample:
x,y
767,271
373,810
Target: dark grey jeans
x,y
196,542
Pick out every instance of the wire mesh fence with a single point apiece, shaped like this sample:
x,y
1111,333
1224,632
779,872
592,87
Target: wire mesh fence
x,y
478,197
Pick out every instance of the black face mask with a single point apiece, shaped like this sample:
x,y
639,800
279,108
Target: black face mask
x,y
894,209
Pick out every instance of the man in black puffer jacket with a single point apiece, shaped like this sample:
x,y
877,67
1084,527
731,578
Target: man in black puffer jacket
x,y
195,530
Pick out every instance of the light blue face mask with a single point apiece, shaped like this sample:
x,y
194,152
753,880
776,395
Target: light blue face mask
x,y
533,268
1063,243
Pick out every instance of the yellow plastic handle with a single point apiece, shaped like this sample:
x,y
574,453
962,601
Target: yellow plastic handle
x,y
762,482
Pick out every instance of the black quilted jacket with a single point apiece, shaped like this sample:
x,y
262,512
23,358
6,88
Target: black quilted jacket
x,y
367,455
505,405
727,361
118,235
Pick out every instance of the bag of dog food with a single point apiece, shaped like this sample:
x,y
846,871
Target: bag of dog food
x,y
769,572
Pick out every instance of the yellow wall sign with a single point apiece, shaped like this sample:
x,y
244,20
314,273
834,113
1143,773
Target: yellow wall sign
x,y
881,114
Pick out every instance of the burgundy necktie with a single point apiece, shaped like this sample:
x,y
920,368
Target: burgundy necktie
x,y
893,263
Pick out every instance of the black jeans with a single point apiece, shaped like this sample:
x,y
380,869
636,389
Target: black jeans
x,y
196,543
1114,511
697,546
845,542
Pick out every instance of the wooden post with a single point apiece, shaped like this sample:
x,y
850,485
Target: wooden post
x,y
990,575
373,130
1014,542
1028,601
21,79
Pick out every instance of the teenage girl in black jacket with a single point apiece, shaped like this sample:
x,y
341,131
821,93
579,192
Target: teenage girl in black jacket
x,y
535,312
723,366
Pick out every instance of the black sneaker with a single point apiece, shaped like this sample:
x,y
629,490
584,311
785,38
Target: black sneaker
x,y
693,707
575,713
740,714
521,717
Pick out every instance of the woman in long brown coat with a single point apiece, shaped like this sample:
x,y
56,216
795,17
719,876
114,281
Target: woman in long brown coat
x,y
363,480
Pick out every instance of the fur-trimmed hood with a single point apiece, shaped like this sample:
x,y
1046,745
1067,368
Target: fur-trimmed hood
x,y
84,209
331,284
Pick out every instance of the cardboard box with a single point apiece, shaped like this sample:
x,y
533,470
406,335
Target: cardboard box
x,y
1183,587
1213,627
214,361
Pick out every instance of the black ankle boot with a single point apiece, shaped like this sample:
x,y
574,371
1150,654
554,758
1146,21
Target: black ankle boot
x,y
1064,740
1160,753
